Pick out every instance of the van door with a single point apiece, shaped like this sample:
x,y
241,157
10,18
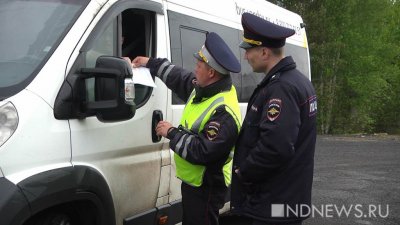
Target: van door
x,y
127,153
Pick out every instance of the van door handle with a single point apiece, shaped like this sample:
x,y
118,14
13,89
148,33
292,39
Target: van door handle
x,y
157,117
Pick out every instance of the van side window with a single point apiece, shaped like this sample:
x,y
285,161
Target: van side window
x,y
191,41
249,79
103,44
138,29
187,35
129,34
298,53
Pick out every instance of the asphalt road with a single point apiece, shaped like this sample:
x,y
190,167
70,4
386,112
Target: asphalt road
x,y
357,176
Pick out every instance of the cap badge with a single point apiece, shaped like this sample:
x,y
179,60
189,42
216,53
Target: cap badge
x,y
203,57
254,42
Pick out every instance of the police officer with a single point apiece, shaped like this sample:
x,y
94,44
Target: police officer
x,y
204,141
274,156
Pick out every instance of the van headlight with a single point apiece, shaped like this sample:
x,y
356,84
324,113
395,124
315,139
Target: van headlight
x,y
8,121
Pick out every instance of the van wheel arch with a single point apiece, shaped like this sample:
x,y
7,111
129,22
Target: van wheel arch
x,y
70,192
73,213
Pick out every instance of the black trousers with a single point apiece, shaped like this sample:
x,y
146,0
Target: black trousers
x,y
201,204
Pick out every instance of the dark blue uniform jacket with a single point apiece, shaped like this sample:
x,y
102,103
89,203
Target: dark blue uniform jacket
x,y
275,148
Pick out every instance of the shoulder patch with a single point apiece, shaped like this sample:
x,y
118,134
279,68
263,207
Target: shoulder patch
x,y
312,102
212,130
274,109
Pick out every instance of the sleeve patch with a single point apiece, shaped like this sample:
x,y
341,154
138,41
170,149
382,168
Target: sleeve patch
x,y
312,105
212,130
274,109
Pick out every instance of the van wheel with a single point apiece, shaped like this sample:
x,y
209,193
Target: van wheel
x,y
53,219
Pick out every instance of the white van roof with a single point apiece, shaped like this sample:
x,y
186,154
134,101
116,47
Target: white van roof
x,y
228,12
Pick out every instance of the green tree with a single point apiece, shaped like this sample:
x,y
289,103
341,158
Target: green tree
x,y
355,62
389,115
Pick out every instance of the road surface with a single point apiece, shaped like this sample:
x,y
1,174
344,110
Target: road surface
x,y
356,181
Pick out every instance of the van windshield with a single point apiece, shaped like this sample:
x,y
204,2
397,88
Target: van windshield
x,y
30,31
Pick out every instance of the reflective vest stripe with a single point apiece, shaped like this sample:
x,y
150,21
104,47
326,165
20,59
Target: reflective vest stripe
x,y
159,72
185,148
167,66
180,142
234,116
167,73
231,154
190,97
196,125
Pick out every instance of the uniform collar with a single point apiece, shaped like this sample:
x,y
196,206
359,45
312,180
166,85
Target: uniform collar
x,y
285,64
206,92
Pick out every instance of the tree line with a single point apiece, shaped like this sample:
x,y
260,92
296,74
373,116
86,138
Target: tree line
x,y
355,62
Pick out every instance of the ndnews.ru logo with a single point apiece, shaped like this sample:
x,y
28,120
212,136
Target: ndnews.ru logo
x,y
330,211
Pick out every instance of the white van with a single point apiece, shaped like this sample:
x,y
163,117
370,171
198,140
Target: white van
x,y
74,147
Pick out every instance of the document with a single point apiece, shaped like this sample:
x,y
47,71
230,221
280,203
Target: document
x,y
141,75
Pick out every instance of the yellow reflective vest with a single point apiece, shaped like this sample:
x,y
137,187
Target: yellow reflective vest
x,y
195,116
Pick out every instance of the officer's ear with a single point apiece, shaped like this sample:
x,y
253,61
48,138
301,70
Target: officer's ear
x,y
212,72
265,53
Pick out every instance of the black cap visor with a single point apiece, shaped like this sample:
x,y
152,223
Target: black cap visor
x,y
197,56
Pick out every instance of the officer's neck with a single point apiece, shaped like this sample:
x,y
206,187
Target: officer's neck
x,y
271,63
210,81
221,85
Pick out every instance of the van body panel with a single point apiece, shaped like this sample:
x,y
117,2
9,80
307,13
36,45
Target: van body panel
x,y
123,152
40,141
162,45
125,155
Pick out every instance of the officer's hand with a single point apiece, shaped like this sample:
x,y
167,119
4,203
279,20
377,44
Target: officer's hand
x,y
140,61
162,128
237,171
247,186
128,60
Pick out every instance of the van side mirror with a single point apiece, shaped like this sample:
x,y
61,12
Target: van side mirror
x,y
106,91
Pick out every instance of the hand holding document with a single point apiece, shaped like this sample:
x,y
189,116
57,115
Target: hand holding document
x,y
141,75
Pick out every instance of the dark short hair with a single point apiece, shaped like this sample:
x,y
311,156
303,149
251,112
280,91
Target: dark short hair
x,y
277,51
